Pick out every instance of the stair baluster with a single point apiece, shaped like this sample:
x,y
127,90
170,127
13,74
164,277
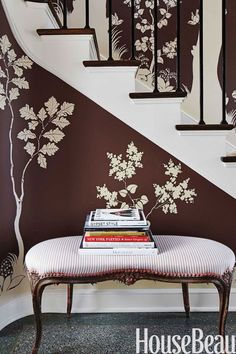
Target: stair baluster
x,y
87,17
110,31
178,58
201,64
224,45
155,48
64,14
132,30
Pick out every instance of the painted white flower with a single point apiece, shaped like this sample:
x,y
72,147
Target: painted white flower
x,y
170,3
164,86
142,45
150,4
169,49
116,21
162,23
195,18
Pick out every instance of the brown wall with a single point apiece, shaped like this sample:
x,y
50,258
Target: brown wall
x,y
58,198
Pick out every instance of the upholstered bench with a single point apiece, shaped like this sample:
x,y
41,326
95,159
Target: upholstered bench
x,y
181,259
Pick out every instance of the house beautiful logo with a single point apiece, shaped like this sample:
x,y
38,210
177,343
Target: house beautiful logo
x,y
196,343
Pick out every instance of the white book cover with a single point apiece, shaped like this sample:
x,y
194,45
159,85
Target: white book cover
x,y
119,251
118,244
116,214
116,223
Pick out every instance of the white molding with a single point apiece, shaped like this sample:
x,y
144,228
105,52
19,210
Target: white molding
x,y
148,101
111,69
68,37
229,164
92,300
203,133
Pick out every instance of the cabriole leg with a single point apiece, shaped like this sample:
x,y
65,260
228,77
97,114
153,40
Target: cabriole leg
x,y
69,299
37,292
186,298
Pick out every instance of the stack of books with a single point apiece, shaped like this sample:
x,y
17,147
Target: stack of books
x,y
117,231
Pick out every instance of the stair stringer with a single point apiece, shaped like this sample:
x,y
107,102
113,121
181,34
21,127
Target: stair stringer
x,y
110,87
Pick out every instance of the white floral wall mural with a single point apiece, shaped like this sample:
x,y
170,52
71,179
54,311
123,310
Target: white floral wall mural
x,y
40,137
167,196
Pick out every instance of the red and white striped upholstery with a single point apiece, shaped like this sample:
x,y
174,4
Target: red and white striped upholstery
x,y
178,256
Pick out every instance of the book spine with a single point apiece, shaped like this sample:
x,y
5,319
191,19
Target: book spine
x,y
112,223
119,251
116,239
119,233
93,228
118,244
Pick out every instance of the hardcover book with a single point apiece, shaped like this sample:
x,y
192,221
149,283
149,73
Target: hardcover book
x,y
119,251
92,223
116,214
118,239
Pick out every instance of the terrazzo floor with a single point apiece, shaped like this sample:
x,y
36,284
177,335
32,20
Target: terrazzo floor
x,y
102,333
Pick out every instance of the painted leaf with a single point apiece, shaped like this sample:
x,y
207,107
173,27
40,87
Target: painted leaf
x,y
162,11
52,106
124,206
26,135
49,149
61,122
21,83
2,89
42,161
144,199
11,55
123,193
2,102
55,135
15,282
132,188
5,44
139,204
18,71
14,93
1,282
42,114
30,148
6,283
32,125
24,62
27,113
66,109
2,74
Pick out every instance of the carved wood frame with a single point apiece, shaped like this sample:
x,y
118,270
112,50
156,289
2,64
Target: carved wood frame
x,y
128,277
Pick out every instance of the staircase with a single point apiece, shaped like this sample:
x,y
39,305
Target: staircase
x,y
73,56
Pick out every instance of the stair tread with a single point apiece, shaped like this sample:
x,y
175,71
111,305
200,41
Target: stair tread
x,y
228,159
185,127
63,31
103,63
141,95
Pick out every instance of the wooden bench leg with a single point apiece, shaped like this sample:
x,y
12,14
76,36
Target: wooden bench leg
x,y
224,293
37,292
186,298
69,299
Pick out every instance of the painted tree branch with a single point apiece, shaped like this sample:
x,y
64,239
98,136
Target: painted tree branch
x,y
166,195
41,143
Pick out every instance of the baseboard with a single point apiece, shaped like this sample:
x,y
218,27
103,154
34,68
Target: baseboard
x,y
92,300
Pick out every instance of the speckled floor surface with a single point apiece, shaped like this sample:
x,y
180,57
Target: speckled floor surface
x,y
102,333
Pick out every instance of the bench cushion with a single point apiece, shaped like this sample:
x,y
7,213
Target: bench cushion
x,y
178,256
